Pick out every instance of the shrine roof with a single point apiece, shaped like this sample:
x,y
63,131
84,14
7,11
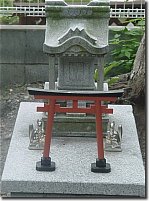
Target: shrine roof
x,y
45,92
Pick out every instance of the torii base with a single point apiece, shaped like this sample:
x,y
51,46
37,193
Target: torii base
x,y
45,165
100,166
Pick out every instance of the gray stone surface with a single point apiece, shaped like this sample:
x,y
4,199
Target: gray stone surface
x,y
78,34
98,3
11,74
52,64
73,157
21,55
34,51
71,17
35,73
76,73
22,73
10,51
55,3
75,125
22,45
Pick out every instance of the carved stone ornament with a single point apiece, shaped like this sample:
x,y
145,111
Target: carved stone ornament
x,y
37,135
113,138
75,33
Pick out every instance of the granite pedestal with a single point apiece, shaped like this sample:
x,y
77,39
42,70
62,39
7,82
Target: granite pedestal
x,y
127,176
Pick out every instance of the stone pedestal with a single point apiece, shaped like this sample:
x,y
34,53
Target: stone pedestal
x,y
77,126
73,157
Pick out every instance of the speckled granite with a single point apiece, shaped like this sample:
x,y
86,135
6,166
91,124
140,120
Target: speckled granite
x,y
73,157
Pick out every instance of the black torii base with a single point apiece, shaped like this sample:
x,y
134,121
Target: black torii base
x,y
100,166
45,165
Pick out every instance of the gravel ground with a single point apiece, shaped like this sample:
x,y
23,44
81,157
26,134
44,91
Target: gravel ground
x,y
10,100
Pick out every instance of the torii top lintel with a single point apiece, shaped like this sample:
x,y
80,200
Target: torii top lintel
x,y
103,95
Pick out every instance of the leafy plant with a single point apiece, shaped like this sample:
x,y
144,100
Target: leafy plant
x,y
5,3
33,1
125,45
10,2
110,80
9,20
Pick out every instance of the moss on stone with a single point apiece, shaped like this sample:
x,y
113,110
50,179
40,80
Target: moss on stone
x,y
88,12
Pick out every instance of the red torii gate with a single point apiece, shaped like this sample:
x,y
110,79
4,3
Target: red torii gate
x,y
97,108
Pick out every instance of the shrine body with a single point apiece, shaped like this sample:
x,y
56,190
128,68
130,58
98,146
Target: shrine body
x,y
76,40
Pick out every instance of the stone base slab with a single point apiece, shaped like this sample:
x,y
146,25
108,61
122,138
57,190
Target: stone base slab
x,y
73,157
77,126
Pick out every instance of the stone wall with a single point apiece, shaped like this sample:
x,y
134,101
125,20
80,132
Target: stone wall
x,y
22,59
21,54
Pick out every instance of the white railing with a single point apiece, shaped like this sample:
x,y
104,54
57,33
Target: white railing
x,y
127,13
28,11
40,11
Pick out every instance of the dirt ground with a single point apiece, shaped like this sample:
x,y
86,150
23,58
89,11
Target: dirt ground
x,y
10,100
11,97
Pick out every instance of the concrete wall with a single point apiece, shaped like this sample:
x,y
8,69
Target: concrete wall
x,y
21,54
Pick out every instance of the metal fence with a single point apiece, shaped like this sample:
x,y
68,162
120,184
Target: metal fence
x,y
119,9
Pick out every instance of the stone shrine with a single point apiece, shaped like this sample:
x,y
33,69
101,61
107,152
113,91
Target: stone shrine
x,y
76,41
76,38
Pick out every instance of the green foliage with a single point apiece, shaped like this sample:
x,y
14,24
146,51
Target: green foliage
x,y
112,80
9,20
125,45
137,21
5,3
10,2
124,48
33,1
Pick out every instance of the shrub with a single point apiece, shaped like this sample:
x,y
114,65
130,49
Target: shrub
x,y
9,20
125,45
124,48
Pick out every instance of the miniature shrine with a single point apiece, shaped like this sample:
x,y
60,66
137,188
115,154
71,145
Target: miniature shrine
x,y
77,48
74,140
